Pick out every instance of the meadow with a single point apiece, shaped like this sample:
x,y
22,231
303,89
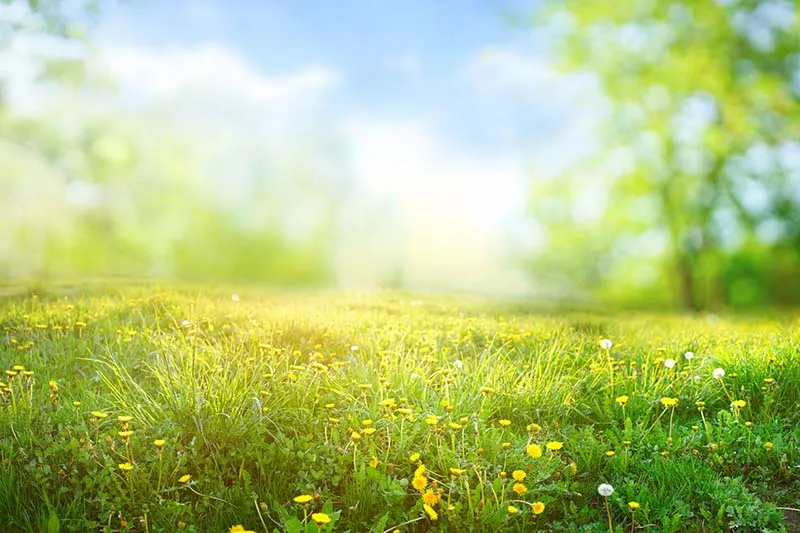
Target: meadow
x,y
210,409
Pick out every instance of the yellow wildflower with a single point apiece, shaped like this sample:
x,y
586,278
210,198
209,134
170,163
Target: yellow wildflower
x,y
185,478
430,512
622,400
669,402
538,507
633,505
321,518
303,498
413,458
512,510
554,445
518,475
126,467
533,450
430,497
519,488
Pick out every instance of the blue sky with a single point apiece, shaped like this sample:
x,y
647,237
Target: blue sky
x,y
396,58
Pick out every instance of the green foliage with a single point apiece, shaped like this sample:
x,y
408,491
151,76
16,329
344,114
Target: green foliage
x,y
703,112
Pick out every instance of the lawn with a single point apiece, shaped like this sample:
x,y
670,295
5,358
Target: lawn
x,y
143,408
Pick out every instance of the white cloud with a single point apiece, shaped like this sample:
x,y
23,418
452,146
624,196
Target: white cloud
x,y
564,110
210,69
498,69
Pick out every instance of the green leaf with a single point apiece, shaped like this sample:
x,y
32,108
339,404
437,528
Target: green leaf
x,y
53,524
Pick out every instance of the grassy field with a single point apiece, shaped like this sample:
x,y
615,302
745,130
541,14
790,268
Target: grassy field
x,y
194,409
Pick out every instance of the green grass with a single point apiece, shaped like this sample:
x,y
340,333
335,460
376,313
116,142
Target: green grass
x,y
265,399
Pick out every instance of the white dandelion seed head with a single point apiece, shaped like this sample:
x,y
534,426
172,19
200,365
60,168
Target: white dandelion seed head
x,y
235,297
186,323
605,490
689,356
718,373
606,344
459,365
354,348
669,363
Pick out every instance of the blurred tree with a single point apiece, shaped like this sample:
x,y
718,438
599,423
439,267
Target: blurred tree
x,y
695,196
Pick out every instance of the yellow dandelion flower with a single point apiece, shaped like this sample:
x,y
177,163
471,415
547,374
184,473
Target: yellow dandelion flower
x,y
333,421
430,512
413,458
430,497
610,453
669,402
388,402
125,467
419,482
52,384
633,505
321,518
506,445
159,443
185,478
519,488
533,450
240,529
518,475
431,420
505,422
533,428
768,446
404,411
622,400
487,390
419,471
366,422
554,445
76,403
369,431
538,507
454,426
303,498
373,462
125,434
99,414
738,404
512,510
355,435
458,471
124,418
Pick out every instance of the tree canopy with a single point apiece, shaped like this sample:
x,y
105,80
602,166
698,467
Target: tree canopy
x,y
697,187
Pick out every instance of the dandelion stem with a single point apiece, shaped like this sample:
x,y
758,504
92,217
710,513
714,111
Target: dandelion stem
x,y
608,514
